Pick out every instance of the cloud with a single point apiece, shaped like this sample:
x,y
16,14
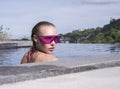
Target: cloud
x,y
99,2
67,15
81,2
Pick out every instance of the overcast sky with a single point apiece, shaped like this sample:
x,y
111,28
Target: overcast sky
x,y
21,15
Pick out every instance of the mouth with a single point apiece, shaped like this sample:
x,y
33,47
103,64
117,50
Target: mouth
x,y
51,49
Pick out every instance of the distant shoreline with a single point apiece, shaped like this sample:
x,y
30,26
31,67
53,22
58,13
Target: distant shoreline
x,y
14,44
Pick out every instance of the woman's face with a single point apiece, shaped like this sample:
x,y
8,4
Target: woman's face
x,y
46,30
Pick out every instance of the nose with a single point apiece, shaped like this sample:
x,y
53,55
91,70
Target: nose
x,y
53,43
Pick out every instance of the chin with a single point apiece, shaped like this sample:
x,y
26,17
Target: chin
x,y
49,52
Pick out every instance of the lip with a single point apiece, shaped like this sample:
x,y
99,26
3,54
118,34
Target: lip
x,y
52,48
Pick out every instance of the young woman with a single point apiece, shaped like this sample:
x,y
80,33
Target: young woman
x,y
44,37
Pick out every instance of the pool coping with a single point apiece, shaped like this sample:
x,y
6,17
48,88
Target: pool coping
x,y
17,73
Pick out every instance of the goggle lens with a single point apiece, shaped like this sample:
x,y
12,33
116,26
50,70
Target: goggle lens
x,y
48,39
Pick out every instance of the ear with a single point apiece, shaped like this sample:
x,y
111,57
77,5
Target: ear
x,y
35,38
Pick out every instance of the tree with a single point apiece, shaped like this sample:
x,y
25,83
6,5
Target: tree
x,y
1,32
4,33
109,33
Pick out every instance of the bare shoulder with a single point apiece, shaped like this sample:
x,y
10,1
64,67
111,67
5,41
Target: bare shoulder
x,y
42,57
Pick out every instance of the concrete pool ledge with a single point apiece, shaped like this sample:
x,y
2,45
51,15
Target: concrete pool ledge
x,y
31,71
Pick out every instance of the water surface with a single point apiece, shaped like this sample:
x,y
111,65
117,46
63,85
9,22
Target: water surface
x,y
62,51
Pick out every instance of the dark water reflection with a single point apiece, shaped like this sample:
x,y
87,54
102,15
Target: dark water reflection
x,y
62,51
115,48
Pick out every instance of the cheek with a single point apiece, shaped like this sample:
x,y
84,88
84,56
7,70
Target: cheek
x,y
40,46
44,46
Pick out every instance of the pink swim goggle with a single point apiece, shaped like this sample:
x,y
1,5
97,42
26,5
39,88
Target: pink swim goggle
x,y
49,39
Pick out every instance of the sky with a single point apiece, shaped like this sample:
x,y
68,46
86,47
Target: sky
x,y
68,15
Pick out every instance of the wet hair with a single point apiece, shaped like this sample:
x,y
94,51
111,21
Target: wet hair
x,y
36,29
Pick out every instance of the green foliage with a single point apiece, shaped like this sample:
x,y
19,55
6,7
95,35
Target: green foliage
x,y
4,35
110,33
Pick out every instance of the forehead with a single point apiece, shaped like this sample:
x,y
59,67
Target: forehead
x,y
47,30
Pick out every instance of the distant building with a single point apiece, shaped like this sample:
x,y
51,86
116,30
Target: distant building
x,y
65,40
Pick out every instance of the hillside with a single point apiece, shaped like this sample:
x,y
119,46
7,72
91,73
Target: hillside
x,y
109,33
